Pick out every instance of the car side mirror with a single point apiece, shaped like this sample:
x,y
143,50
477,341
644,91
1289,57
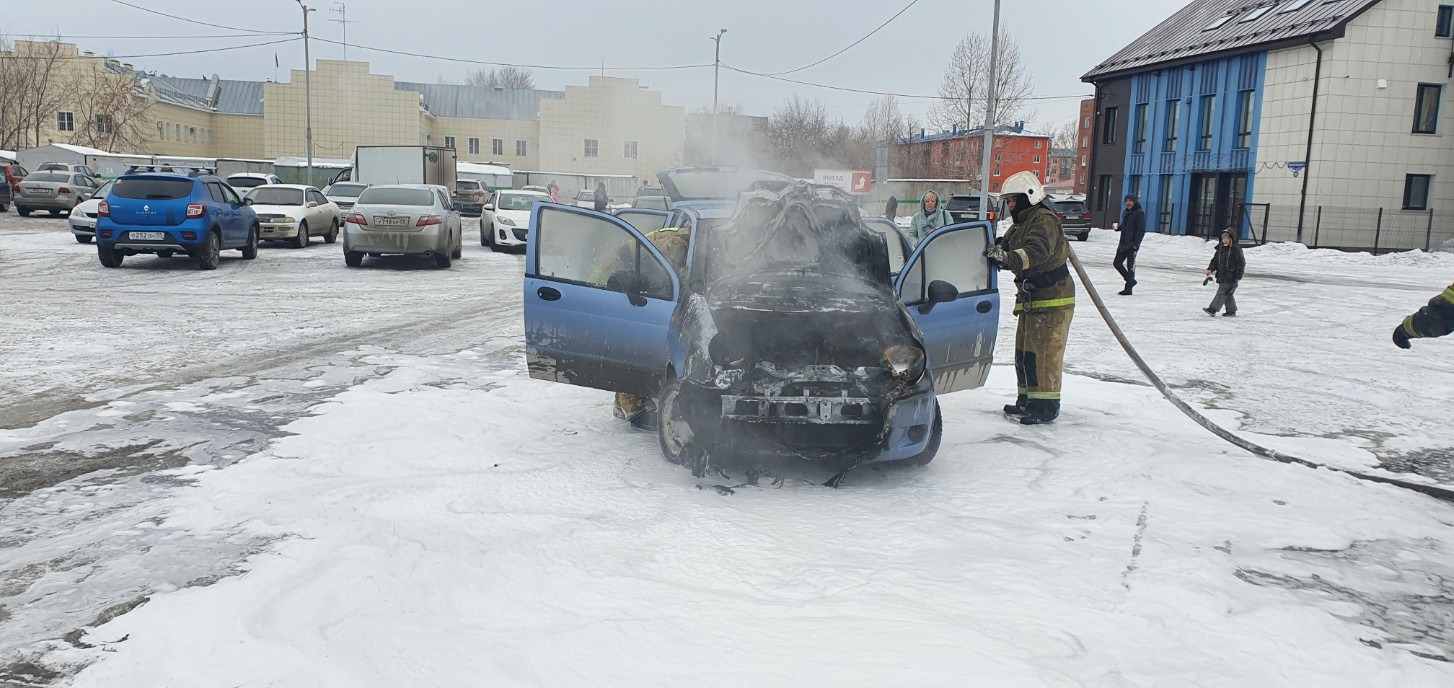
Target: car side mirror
x,y
489,206
312,204
629,283
939,292
247,201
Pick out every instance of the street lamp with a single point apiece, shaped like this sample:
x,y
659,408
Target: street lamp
x,y
716,82
307,89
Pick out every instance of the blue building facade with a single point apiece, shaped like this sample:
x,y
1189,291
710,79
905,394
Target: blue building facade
x,y
1191,141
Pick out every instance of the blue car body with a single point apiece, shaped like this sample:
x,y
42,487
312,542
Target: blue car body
x,y
583,330
171,212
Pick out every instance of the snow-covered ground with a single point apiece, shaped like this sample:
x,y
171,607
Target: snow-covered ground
x,y
410,509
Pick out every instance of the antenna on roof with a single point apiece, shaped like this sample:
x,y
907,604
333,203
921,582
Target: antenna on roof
x,y
341,9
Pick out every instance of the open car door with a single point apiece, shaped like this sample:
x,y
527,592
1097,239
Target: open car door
x,y
952,292
898,246
644,220
598,301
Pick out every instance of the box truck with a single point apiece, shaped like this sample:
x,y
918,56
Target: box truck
x,y
404,165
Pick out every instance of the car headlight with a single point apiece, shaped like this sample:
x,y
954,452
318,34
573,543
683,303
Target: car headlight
x,y
290,219
904,362
505,221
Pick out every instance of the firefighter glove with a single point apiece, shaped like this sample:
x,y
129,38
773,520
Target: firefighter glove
x,y
1401,338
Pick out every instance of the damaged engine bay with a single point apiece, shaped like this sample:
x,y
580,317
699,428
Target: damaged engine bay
x,y
791,342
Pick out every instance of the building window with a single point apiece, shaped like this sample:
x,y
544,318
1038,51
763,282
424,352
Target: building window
x,y
497,146
1103,193
1426,108
997,172
631,149
449,142
1112,120
593,148
519,148
474,144
1140,136
1295,6
1163,219
1037,160
1085,142
1416,191
1085,123
1204,142
1244,119
1444,23
1173,123
1135,187
999,157
65,121
1084,160
1037,144
103,124
1255,14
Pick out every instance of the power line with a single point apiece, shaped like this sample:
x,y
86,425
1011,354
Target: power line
x,y
153,38
850,45
463,60
848,89
192,21
169,54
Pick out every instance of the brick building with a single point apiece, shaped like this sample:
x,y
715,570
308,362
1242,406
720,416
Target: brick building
x,y
1083,145
1062,166
956,155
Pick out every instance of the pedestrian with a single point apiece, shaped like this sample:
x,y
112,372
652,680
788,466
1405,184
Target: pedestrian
x,y
601,197
554,190
929,218
1035,250
1133,230
891,209
1227,266
1433,320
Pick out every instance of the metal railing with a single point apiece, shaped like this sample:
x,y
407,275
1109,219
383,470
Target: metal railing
x,y
1355,229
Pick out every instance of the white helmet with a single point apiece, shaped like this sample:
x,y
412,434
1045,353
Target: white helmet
x,y
1024,183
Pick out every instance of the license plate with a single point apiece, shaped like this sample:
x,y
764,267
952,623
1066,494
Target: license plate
x,y
148,236
38,192
391,221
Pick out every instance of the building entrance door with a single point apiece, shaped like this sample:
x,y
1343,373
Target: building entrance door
x,y
1217,202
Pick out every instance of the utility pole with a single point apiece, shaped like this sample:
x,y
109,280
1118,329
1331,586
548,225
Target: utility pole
x,y
716,83
987,148
341,9
307,89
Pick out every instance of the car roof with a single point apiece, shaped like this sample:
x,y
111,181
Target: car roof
x,y
300,187
166,175
525,192
252,175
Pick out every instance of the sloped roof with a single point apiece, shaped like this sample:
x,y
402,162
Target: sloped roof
x,y
233,97
1185,34
480,102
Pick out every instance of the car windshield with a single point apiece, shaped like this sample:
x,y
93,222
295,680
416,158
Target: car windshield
x,y
713,183
963,203
585,195
276,196
101,192
48,177
651,202
245,182
345,190
466,186
518,201
151,188
1071,207
396,196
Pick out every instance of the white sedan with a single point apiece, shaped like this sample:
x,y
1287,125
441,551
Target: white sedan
x,y
295,213
505,221
83,217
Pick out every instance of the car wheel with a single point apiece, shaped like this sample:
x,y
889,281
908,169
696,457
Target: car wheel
x,y
82,238
1084,237
164,254
485,237
353,259
55,213
458,251
678,445
24,211
936,433
442,260
332,234
249,250
301,241
4,207
109,258
211,252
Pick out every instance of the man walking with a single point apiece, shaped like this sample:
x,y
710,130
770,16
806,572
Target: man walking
x,y
1227,266
1433,320
1133,230
601,198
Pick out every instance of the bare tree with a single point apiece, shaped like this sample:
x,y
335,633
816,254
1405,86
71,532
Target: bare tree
x,y
30,91
883,123
109,112
1066,135
504,77
964,91
801,138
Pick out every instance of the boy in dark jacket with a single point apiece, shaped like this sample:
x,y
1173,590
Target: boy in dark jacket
x,y
1133,230
1433,320
1227,265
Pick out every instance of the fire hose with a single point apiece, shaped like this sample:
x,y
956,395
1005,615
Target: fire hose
x,y
1435,491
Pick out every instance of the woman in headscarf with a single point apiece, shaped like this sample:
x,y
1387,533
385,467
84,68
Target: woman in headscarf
x,y
931,216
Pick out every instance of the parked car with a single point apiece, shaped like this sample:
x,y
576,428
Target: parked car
x,y
532,187
787,335
470,195
504,220
585,198
57,192
83,217
165,213
965,208
344,194
67,167
651,202
294,212
247,180
5,194
13,173
403,219
1075,219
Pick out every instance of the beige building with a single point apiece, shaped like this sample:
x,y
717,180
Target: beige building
x,y
611,126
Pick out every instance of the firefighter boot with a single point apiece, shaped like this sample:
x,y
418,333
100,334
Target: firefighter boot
x,y
1041,412
1017,408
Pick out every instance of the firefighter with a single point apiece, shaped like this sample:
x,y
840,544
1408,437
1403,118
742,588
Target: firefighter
x,y
1433,320
1034,249
673,243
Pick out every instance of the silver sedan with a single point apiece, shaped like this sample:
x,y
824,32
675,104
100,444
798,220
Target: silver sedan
x,y
58,192
403,219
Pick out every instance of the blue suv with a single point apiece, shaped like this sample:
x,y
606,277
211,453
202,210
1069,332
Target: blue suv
x,y
165,213
793,328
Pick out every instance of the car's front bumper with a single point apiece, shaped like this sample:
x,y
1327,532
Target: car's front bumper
x,y
506,235
426,241
277,230
82,224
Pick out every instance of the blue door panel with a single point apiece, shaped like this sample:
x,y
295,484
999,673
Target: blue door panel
x,y
959,335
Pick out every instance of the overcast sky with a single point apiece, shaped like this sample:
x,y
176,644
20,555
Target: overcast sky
x,y
1059,39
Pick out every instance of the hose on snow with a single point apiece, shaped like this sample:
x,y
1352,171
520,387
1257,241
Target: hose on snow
x,y
1435,491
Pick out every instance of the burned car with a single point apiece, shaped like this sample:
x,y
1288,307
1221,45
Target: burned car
x,y
794,329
